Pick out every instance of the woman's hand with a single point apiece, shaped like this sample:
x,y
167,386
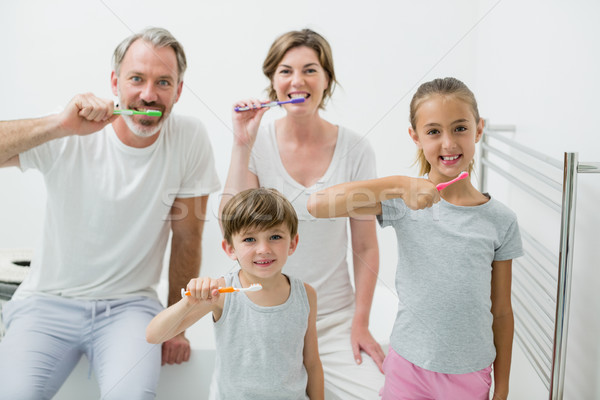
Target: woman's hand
x,y
246,123
362,340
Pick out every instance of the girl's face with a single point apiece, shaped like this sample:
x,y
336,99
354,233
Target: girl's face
x,y
300,74
446,131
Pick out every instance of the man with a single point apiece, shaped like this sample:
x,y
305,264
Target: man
x,y
117,186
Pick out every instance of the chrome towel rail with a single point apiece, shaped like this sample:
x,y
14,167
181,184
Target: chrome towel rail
x,y
542,281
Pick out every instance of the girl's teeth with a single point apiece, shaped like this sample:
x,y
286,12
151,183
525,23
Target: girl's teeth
x,y
449,158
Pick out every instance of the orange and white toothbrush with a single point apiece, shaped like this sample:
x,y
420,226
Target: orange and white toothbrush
x,y
252,288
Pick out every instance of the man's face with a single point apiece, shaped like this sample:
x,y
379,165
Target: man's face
x,y
147,80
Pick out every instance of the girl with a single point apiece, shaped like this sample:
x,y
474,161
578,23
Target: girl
x,y
453,277
298,155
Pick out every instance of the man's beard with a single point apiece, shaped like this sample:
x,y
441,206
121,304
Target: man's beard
x,y
143,128
139,129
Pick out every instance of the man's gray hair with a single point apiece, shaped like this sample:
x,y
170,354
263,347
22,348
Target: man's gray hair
x,y
158,37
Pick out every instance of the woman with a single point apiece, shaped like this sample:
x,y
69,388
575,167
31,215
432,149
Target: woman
x,y
300,154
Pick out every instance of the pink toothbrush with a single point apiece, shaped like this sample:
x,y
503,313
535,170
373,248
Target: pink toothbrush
x,y
444,185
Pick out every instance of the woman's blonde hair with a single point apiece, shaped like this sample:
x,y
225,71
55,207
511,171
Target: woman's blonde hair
x,y
445,87
290,40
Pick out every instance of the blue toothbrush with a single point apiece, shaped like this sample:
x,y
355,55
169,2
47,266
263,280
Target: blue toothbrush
x,y
272,104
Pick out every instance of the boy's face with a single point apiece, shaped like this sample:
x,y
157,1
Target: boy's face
x,y
262,253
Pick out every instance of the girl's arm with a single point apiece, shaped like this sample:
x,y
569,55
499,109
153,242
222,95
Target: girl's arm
x,y
365,197
205,297
365,252
315,388
503,326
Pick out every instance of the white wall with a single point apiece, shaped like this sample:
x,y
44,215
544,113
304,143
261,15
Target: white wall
x,y
537,67
375,51
530,63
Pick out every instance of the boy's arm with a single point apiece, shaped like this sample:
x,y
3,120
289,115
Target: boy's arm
x,y
365,197
175,319
503,326
315,388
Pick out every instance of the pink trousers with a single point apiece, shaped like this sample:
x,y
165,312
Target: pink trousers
x,y
404,381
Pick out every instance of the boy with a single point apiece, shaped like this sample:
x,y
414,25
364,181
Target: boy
x,y
266,340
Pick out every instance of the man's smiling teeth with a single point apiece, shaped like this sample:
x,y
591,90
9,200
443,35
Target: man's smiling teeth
x,y
450,158
262,262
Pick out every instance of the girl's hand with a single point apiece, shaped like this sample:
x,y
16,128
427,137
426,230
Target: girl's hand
x,y
246,123
420,194
203,289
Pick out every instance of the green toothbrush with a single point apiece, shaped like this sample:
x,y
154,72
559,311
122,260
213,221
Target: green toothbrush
x,y
151,113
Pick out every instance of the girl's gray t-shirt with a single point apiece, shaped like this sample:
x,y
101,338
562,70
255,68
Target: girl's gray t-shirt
x,y
443,281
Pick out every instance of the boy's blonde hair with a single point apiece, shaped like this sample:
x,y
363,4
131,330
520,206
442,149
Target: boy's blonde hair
x,y
260,208
445,87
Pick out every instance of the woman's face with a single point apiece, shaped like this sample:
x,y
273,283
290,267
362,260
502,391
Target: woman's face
x,y
300,74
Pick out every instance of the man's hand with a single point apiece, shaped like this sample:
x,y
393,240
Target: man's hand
x,y
176,350
86,114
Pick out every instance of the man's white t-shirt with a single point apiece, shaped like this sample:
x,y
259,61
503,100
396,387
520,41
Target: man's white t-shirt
x,y
108,212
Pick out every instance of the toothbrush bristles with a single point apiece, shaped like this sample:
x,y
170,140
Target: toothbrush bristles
x,y
153,113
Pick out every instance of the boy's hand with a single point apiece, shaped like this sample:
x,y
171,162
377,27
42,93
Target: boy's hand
x,y
203,289
420,194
